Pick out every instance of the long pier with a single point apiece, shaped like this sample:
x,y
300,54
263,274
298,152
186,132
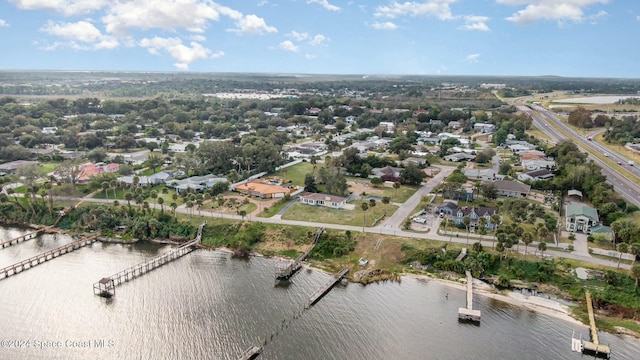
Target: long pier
x,y
35,233
105,287
287,272
594,347
468,314
46,256
326,288
251,353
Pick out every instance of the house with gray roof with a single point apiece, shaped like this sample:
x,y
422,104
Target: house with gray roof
x,y
581,218
536,175
512,189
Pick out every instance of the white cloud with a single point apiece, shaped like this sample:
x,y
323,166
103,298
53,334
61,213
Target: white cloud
x,y
558,10
181,53
66,7
298,36
638,17
477,23
310,56
3,23
325,4
384,25
198,38
473,58
288,45
253,25
436,8
318,40
81,31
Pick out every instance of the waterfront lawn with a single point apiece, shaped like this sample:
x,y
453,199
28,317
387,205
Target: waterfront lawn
x,y
296,173
355,217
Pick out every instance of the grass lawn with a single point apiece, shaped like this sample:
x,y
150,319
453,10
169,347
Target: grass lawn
x,y
323,214
296,173
119,194
49,167
402,194
273,209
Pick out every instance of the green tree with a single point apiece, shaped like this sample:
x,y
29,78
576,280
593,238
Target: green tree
x,y
310,183
412,175
364,206
527,238
467,222
635,273
385,201
542,247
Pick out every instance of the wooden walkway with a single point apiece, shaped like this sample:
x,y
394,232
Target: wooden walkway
x,y
594,347
287,272
468,314
326,288
46,256
106,286
251,353
33,234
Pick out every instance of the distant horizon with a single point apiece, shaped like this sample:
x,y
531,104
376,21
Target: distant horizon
x,y
574,38
279,73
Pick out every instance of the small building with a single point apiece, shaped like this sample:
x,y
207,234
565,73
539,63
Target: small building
x,y
419,162
484,128
13,166
581,218
197,183
387,171
534,164
319,199
482,174
536,175
512,189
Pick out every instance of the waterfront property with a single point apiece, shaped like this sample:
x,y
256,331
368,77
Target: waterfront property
x,y
262,189
319,199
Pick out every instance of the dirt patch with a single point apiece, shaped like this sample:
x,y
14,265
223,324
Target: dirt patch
x,y
358,187
277,241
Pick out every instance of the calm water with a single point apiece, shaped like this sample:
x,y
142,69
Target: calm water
x,y
209,306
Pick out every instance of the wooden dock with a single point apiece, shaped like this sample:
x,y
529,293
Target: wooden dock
x,y
326,288
468,314
594,347
105,287
46,256
251,353
286,272
35,233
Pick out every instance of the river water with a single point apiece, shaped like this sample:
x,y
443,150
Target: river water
x,y
207,305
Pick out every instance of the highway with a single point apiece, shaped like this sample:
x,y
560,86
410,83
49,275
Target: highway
x,y
628,189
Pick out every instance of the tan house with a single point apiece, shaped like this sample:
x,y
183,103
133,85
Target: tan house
x,y
317,199
262,190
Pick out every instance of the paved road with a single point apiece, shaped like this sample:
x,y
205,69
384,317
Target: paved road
x,y
397,219
629,190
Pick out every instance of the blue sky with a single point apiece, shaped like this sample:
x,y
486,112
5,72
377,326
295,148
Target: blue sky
x,y
592,38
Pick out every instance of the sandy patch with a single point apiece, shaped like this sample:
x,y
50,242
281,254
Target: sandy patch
x,y
534,303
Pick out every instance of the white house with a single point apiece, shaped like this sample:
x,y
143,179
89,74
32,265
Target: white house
x,y
317,199
538,164
581,218
536,175
484,128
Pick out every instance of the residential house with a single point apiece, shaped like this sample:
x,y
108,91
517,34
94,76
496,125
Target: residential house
x,y
386,171
262,189
90,170
197,183
474,213
388,125
13,166
581,218
457,157
448,207
536,175
419,162
318,199
455,124
484,128
482,174
538,164
50,130
512,189
517,148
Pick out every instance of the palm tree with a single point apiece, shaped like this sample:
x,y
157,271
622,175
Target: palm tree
x,y
622,249
242,213
364,207
385,201
482,225
635,273
467,221
542,246
396,186
500,249
174,206
115,184
495,220
189,205
128,196
527,238
161,202
105,187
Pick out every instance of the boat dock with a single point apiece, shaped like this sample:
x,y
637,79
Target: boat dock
x,y
468,314
594,347
326,288
251,353
46,256
286,272
105,287
35,233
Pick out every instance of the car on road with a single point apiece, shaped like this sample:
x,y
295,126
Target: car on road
x,y
606,155
619,162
